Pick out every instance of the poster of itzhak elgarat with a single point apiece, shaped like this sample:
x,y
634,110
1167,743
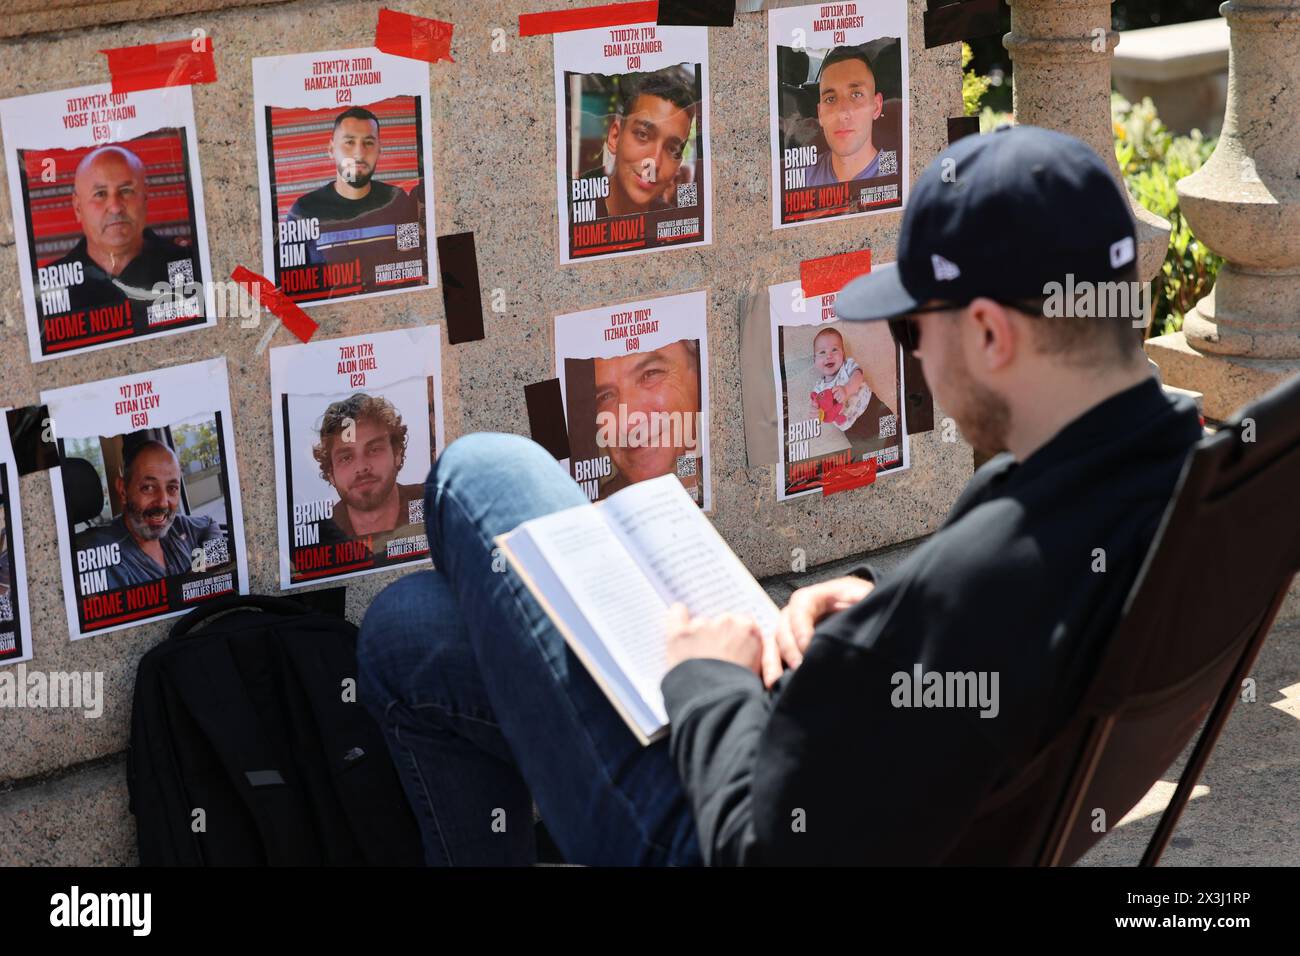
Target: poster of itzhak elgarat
x,y
345,166
15,626
146,495
839,393
837,75
636,394
357,423
108,216
632,140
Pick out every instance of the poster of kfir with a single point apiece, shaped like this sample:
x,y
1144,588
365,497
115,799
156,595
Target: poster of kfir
x,y
838,88
146,496
636,394
357,424
632,140
108,216
345,169
15,622
839,393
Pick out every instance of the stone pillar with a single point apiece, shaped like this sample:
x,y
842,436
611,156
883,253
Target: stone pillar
x,y
1244,203
1062,51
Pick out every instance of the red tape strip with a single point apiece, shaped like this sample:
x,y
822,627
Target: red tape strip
x,y
282,307
847,477
587,18
156,65
832,273
416,38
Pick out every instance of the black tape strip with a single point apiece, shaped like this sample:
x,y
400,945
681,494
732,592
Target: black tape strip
x,y
27,428
920,403
546,417
697,13
460,290
959,127
331,601
966,20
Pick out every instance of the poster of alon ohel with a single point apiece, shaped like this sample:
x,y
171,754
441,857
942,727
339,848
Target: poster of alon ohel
x,y
632,139
108,216
15,623
636,394
357,423
345,166
839,392
146,496
837,76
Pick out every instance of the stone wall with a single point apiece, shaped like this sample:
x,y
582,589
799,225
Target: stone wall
x,y
493,151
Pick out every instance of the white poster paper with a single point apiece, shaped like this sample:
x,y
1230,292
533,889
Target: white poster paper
x,y
146,496
635,381
633,169
345,170
108,216
358,423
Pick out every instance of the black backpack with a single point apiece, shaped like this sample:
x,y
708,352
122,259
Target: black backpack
x,y
247,749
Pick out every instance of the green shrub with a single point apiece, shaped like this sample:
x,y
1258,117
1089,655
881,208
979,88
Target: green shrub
x,y
1152,160
973,86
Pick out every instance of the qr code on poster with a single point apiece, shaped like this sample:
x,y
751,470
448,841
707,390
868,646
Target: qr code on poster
x,y
688,194
888,426
6,609
687,466
888,162
180,271
408,235
215,552
415,511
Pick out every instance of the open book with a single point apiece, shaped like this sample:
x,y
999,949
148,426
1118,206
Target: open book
x,y
607,574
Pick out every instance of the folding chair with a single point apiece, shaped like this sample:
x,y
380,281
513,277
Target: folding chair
x,y
1196,617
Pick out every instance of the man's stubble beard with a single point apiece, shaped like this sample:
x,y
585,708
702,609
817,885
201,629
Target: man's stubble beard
x,y
135,518
982,415
369,499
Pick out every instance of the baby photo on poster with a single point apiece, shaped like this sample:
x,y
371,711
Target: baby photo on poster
x,y
15,622
839,393
635,383
146,496
837,76
632,140
108,216
346,174
357,424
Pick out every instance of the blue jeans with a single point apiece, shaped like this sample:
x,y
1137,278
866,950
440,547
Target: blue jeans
x,y
483,705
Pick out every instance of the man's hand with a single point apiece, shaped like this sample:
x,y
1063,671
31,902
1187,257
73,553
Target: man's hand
x,y
728,637
806,607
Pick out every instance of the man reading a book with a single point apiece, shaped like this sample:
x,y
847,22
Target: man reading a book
x,y
844,736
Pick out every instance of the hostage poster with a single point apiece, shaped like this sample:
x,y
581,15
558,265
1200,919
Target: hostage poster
x,y
15,623
357,423
632,142
636,394
146,496
345,167
839,393
837,77
108,216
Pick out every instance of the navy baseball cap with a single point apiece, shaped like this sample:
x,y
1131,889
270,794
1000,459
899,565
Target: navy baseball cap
x,y
1001,215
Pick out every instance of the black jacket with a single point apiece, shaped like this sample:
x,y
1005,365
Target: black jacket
x,y
1028,573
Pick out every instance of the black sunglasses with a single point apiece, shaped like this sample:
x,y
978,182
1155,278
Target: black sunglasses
x,y
907,331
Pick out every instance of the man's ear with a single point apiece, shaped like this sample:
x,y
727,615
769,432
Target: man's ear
x,y
880,105
76,204
119,485
611,135
991,333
